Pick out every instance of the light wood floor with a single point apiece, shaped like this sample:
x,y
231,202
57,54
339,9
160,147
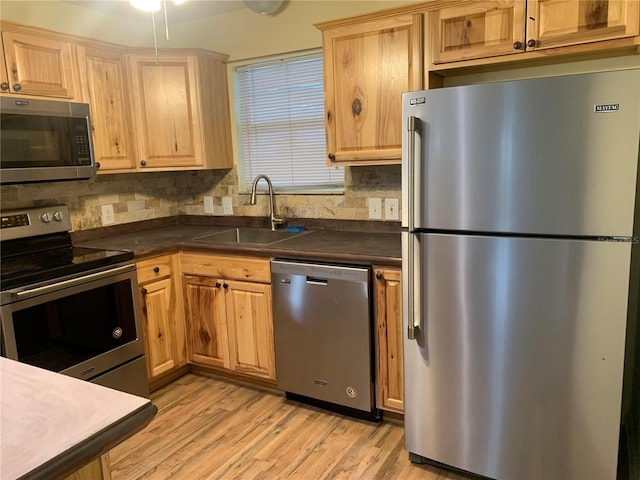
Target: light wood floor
x,y
211,429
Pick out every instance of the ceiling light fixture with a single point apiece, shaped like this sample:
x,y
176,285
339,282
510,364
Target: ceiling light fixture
x,y
146,5
264,7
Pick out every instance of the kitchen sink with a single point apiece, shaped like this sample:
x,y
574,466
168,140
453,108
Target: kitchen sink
x,y
260,236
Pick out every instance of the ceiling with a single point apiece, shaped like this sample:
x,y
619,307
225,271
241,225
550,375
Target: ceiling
x,y
190,10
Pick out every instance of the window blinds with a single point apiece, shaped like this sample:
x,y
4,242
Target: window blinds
x,y
280,116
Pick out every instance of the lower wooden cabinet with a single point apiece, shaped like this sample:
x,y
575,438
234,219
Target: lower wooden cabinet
x,y
388,328
163,312
228,313
98,469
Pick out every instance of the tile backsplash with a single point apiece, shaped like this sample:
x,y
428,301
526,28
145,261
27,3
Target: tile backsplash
x,y
143,196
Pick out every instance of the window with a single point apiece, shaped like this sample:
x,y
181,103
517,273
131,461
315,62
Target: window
x,y
280,122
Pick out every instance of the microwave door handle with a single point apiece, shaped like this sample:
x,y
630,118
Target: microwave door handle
x,y
72,282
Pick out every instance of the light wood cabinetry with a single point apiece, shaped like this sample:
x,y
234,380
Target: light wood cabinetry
x,y
37,65
555,23
388,318
479,30
181,109
367,65
98,469
228,311
105,87
163,310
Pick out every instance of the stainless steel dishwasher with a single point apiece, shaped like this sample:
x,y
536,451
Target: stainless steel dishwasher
x,y
322,323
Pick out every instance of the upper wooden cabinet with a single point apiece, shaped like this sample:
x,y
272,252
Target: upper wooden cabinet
x,y
38,65
367,66
477,29
483,29
181,109
555,23
105,87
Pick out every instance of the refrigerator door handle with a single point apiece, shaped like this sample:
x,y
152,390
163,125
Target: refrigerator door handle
x,y
412,123
414,308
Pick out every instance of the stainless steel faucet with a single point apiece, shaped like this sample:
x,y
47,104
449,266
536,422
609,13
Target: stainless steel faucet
x,y
274,220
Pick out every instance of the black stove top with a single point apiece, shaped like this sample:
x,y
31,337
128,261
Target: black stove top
x,y
22,270
36,247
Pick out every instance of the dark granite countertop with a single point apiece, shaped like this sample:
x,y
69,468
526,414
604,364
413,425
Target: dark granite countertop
x,y
317,245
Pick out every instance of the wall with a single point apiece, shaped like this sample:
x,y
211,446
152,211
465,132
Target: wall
x,y
154,195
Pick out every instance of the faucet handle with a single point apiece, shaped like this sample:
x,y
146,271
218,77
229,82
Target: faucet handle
x,y
276,221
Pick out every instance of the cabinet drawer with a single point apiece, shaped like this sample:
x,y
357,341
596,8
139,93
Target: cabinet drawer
x,y
154,268
226,266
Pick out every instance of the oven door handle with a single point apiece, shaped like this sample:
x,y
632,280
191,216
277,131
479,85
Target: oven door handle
x,y
73,281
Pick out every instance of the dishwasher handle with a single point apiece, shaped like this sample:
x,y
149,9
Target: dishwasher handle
x,y
317,280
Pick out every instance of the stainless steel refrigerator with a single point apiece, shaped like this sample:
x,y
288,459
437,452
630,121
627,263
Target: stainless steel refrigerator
x,y
519,283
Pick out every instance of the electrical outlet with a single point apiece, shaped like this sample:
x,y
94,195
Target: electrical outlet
x,y
108,217
375,208
208,204
227,206
391,209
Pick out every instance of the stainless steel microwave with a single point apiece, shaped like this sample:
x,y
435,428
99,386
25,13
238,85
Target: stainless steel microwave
x,y
44,140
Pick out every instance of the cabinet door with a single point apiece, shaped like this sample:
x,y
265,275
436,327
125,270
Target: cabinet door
x,y
105,87
161,348
367,66
389,365
554,23
206,321
476,29
4,78
250,321
167,112
39,66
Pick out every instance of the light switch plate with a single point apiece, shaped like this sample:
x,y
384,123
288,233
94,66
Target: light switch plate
x,y
391,209
208,204
227,206
375,208
108,217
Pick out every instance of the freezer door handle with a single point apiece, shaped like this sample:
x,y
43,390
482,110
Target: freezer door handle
x,y
414,309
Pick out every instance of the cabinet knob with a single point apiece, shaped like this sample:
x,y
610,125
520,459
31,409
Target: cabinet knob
x,y
4,86
517,45
217,284
332,157
17,87
225,286
97,165
532,43
156,269
379,275
143,163
144,291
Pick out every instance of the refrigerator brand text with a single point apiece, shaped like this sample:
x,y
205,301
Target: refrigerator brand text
x,y
609,107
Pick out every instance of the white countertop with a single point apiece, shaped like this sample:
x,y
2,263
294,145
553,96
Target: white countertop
x,y
50,422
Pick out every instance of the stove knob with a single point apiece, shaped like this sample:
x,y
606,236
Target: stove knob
x,y
57,216
45,217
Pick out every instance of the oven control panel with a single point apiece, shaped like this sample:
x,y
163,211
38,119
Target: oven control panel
x,y
19,220
31,222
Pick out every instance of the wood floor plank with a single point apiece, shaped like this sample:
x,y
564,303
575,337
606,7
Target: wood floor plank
x,y
207,428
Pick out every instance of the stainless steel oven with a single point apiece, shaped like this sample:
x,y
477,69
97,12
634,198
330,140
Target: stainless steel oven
x,y
68,309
